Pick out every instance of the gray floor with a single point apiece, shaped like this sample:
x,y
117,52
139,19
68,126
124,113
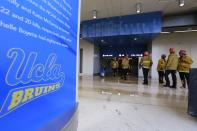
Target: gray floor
x,y
111,104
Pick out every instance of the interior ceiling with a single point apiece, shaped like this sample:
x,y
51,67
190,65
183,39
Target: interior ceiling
x,y
111,8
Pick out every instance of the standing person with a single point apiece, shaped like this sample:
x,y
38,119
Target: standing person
x,y
146,63
120,66
130,65
161,68
171,68
114,65
184,66
125,67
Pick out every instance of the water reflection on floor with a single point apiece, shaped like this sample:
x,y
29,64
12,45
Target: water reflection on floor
x,y
112,104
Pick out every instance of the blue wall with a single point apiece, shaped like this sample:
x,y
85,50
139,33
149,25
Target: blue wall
x,y
123,35
146,23
38,64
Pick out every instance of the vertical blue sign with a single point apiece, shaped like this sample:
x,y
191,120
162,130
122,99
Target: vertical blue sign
x,y
38,63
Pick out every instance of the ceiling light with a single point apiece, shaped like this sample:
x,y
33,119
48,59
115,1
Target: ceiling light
x,y
135,38
181,3
185,31
181,31
193,30
94,14
165,32
138,7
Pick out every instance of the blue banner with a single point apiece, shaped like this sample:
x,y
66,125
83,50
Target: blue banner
x,y
38,63
146,23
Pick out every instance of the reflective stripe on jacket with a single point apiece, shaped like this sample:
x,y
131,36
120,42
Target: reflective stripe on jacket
x,y
125,63
161,65
114,64
172,62
185,64
146,62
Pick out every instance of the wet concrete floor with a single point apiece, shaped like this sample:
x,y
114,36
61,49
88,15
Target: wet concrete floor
x,y
112,104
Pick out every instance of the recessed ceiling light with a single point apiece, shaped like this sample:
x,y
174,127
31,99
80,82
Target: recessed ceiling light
x,y
183,31
165,32
94,14
181,3
138,7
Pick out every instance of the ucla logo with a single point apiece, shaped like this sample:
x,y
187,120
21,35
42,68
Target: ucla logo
x,y
28,70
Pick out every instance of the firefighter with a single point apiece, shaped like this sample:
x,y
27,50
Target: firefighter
x,y
171,68
114,65
120,66
184,66
125,67
161,68
145,64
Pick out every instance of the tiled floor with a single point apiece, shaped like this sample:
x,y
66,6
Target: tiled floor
x,y
110,104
